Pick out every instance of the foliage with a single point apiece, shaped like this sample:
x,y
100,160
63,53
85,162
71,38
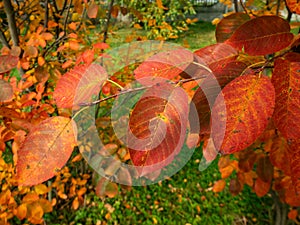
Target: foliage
x,y
248,102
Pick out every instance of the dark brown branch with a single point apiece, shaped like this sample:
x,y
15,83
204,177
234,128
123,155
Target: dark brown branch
x,y
11,22
46,19
236,5
108,20
3,39
127,91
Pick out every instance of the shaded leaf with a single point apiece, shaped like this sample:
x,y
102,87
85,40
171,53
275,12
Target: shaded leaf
x,y
235,187
264,169
279,155
249,102
6,91
8,62
158,124
167,64
45,150
106,188
286,80
227,26
254,37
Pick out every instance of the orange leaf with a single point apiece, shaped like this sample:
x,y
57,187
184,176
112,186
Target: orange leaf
x,y
67,64
219,186
294,6
55,139
261,188
160,4
292,215
78,85
75,203
6,91
115,11
74,45
41,61
21,211
93,11
249,101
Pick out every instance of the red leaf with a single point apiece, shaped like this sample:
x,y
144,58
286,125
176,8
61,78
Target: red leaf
x,y
286,80
261,188
255,36
93,11
45,150
115,11
8,62
158,125
229,24
6,91
167,64
224,71
78,85
249,102
294,155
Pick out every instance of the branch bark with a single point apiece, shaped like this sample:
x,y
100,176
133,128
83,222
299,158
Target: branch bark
x,y
108,20
3,39
11,22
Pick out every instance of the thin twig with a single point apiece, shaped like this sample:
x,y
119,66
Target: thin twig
x,y
108,20
46,14
11,22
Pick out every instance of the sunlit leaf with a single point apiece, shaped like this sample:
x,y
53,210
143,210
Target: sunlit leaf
x,y
286,80
167,64
158,125
219,186
254,37
294,6
249,102
45,150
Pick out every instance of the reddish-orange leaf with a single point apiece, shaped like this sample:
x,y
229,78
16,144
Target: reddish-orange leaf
x,y
292,215
279,155
6,91
286,80
160,4
93,11
294,155
167,64
215,53
294,6
254,37
261,188
219,186
8,62
229,24
45,150
224,71
246,160
249,101
158,124
77,85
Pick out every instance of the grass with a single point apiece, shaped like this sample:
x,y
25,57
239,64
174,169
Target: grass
x,y
186,198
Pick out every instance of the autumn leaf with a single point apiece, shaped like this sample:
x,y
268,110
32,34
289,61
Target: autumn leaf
x,y
106,188
254,37
261,187
219,186
93,11
264,169
6,91
45,150
227,26
294,6
78,85
294,156
167,64
158,124
160,4
249,101
286,80
8,62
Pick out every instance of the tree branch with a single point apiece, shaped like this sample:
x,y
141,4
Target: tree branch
x,y
46,19
11,22
108,20
3,39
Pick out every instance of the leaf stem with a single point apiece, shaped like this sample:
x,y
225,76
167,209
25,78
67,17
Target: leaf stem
x,y
115,83
205,67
